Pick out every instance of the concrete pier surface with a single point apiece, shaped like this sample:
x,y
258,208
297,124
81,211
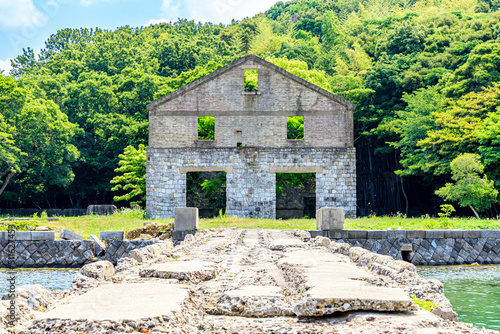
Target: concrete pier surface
x,y
251,281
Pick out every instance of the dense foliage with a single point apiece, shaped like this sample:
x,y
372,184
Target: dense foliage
x,y
470,188
425,76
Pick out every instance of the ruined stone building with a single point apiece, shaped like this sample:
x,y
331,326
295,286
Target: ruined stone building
x,y
251,143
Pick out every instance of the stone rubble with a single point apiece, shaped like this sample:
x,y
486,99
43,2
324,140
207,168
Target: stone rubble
x,y
254,289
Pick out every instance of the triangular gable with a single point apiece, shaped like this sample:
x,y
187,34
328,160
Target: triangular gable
x,y
191,101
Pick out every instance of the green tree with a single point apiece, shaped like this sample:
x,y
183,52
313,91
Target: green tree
x,y
38,149
133,175
331,29
470,189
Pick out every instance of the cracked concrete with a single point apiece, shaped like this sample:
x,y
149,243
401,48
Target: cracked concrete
x,y
253,281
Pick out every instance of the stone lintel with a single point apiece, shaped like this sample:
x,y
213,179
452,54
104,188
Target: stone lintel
x,y
188,169
296,169
249,113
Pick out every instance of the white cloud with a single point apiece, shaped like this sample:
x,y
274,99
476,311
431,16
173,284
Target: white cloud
x,y
157,21
87,3
20,13
169,12
214,11
5,66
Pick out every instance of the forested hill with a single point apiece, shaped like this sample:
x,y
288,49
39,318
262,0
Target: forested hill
x,y
425,76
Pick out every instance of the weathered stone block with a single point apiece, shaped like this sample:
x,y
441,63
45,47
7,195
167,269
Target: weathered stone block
x,y
396,234
484,233
415,234
336,234
99,246
357,234
315,233
21,236
43,235
101,209
185,219
376,234
472,234
434,234
330,219
112,235
453,234
70,235
4,236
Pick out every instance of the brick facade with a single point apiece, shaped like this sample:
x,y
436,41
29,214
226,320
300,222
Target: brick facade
x,y
257,120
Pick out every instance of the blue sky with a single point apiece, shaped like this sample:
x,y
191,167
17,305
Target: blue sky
x,y
28,23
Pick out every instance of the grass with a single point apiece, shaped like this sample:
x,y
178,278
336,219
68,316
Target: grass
x,y
122,220
128,219
364,223
95,224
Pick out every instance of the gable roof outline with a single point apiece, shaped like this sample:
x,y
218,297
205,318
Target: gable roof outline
x,y
190,86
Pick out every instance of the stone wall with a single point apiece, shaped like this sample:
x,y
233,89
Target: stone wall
x,y
64,253
52,253
426,247
117,249
50,212
251,177
254,119
251,142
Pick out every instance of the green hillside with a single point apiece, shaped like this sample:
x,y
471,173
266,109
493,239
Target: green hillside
x,y
425,76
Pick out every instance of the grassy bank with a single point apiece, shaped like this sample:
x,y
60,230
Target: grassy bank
x,y
126,220
364,223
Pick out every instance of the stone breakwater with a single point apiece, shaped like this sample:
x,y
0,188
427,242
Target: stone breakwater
x,y
65,253
243,281
425,247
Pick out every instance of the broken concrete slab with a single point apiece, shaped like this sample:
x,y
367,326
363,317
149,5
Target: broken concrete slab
x,y
183,270
101,270
345,296
125,301
280,244
253,301
99,246
337,285
69,235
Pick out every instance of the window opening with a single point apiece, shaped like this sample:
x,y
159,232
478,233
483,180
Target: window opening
x,y
251,81
295,127
206,128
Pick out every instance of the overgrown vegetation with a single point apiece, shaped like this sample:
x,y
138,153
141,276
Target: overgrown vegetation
x,y
425,77
425,304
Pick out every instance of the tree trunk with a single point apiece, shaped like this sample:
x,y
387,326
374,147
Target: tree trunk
x,y
404,194
6,182
474,210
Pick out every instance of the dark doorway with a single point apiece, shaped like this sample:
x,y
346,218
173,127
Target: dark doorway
x,y
407,255
310,207
295,195
207,192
